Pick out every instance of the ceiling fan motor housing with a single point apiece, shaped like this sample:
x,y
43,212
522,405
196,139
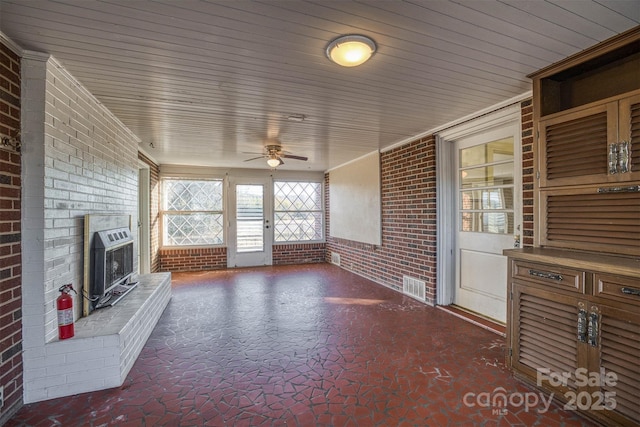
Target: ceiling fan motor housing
x,y
274,152
274,149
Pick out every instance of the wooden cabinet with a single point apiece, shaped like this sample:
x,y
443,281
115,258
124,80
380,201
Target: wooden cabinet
x,y
573,329
589,186
573,312
587,149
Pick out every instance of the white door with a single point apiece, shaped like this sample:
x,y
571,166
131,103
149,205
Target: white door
x,y
488,218
250,222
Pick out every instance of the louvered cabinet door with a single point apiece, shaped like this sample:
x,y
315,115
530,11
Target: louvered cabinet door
x,y
544,336
594,218
573,147
629,131
619,354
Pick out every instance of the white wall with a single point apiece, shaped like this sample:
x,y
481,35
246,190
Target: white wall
x,y
355,200
77,158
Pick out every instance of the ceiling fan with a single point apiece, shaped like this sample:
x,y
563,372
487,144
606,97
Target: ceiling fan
x,y
274,155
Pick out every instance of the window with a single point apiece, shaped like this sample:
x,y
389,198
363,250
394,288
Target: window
x,y
192,212
298,211
486,187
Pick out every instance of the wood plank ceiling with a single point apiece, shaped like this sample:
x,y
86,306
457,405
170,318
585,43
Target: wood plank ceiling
x,y
204,82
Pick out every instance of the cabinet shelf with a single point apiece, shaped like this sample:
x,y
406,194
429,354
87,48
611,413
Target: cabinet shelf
x,y
605,70
583,84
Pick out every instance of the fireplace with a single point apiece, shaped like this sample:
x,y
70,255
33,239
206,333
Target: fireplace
x,y
112,266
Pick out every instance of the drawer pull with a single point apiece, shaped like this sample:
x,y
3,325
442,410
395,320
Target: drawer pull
x,y
629,189
546,275
582,325
631,291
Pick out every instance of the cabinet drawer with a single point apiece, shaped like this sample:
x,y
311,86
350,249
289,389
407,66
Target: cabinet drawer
x,y
555,276
617,288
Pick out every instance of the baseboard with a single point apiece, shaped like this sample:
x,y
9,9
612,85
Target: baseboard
x,y
476,319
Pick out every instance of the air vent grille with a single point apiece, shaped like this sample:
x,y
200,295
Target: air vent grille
x,y
413,287
335,258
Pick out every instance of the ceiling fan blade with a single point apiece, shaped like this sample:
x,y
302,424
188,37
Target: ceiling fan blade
x,y
291,156
255,158
281,161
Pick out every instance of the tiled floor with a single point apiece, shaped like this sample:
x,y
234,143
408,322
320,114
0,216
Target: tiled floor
x,y
308,345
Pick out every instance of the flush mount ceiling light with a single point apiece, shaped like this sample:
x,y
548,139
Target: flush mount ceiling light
x,y
350,50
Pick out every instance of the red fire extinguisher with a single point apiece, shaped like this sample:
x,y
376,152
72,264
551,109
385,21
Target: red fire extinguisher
x,y
64,304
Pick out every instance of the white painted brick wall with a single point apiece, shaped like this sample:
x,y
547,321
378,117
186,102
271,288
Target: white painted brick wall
x,y
105,347
33,218
136,334
77,159
91,167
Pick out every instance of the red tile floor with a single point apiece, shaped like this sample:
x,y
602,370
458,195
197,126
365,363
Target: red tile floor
x,y
309,345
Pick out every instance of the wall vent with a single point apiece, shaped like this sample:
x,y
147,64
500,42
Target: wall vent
x,y
413,287
335,258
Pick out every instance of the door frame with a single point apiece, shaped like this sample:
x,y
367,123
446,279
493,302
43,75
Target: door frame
x,y
447,192
267,182
144,217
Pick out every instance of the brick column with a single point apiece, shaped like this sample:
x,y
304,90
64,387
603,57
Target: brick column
x,y
10,234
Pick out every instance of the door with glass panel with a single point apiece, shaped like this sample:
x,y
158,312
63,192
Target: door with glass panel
x,y
250,232
488,219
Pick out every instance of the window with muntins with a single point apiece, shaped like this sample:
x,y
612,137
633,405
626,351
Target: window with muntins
x,y
487,187
298,214
192,212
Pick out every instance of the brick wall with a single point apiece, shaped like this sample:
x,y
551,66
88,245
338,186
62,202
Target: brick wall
x,y
193,259
409,214
78,159
298,253
408,194
154,211
10,229
202,259
528,174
